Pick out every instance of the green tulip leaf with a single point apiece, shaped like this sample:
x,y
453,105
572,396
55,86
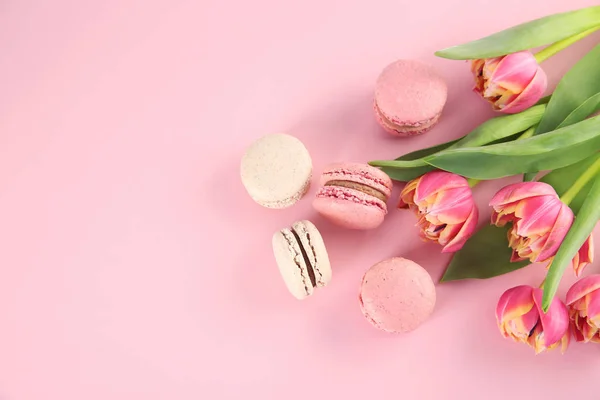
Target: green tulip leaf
x,y
529,35
501,127
411,172
412,165
406,174
587,108
485,255
556,149
561,180
495,130
576,97
418,154
582,227
544,100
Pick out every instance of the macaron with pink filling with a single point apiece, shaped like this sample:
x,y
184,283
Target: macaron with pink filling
x,y
353,195
397,295
409,97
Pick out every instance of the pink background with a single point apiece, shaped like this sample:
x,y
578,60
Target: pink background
x,y
134,266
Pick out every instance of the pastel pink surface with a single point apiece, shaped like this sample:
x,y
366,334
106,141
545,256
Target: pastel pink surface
x,y
135,267
397,295
410,94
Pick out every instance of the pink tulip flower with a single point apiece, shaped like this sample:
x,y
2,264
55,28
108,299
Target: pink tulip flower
x,y
583,300
445,207
511,83
540,221
520,317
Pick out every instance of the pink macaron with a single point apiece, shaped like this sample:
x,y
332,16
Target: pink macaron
x,y
353,195
409,97
397,295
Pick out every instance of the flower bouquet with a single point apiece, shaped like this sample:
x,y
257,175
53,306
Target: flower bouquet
x,y
553,142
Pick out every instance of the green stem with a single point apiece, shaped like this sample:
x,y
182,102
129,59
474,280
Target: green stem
x,y
554,48
583,179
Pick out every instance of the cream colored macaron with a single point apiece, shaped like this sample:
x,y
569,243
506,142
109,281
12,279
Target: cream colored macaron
x,y
302,258
276,170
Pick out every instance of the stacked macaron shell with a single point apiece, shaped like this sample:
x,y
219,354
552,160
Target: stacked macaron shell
x,y
353,195
276,170
397,295
302,258
409,97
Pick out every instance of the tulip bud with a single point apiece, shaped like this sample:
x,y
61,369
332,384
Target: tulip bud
x,y
511,83
520,317
540,221
445,207
583,300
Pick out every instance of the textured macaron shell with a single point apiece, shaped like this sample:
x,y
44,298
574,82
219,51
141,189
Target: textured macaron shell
x,y
359,173
409,97
314,246
289,256
405,130
350,208
276,170
397,295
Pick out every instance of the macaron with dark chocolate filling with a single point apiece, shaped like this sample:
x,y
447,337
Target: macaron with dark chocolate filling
x,y
302,258
353,195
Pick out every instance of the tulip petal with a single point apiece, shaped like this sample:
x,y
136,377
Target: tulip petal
x,y
537,340
519,191
408,193
523,326
593,309
577,333
477,70
538,215
564,342
557,233
514,303
437,181
528,97
453,206
535,244
515,71
466,231
448,234
443,202
555,322
584,256
509,83
588,332
501,218
582,288
515,257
